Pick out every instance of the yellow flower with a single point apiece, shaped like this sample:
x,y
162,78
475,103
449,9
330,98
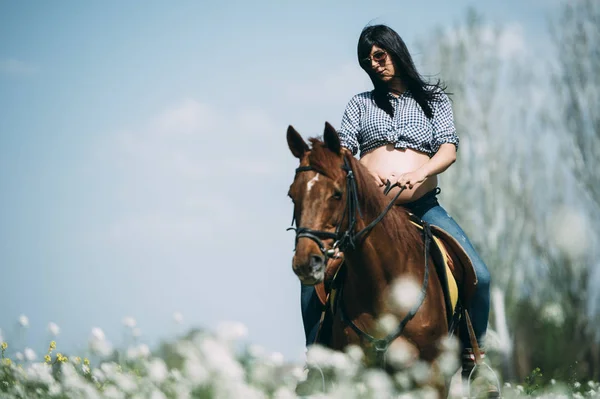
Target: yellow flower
x,y
77,360
52,346
86,361
47,358
3,346
7,362
61,358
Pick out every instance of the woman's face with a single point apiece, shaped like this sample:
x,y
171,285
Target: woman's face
x,y
380,63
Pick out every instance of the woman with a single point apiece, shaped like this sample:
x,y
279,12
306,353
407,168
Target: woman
x,y
405,131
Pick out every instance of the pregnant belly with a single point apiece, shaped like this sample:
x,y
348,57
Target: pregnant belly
x,y
386,161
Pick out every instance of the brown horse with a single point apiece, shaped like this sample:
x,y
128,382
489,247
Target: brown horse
x,y
337,203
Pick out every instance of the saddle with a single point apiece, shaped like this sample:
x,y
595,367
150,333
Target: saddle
x,y
452,264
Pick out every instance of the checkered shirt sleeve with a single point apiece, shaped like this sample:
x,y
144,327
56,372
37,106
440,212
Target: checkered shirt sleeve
x,y
350,128
443,124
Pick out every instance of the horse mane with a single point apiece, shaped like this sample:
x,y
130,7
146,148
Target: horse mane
x,y
371,198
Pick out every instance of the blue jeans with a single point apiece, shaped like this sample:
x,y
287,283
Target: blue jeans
x,y
480,303
428,209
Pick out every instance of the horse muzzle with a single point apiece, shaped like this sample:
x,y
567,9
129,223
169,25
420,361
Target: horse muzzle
x,y
310,268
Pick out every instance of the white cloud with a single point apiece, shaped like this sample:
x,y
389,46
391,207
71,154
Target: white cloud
x,y
13,66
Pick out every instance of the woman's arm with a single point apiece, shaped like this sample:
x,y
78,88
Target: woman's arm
x,y
444,144
350,127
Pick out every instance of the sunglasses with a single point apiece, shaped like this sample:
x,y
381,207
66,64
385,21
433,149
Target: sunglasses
x,y
378,56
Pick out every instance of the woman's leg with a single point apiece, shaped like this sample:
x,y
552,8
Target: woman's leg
x,y
311,312
480,304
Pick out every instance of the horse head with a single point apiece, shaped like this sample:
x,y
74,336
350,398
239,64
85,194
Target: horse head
x,y
318,193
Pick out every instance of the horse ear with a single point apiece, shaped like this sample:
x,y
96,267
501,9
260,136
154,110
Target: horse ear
x,y
331,138
297,145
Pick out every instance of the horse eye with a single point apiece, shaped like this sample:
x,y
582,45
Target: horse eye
x,y
337,194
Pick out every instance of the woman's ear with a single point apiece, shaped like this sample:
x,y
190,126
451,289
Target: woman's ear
x,y
331,138
296,143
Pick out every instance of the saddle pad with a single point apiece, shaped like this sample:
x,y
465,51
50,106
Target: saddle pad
x,y
452,286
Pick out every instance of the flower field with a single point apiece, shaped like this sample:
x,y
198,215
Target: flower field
x,y
219,364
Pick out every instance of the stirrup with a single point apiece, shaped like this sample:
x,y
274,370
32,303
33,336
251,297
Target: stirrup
x,y
470,370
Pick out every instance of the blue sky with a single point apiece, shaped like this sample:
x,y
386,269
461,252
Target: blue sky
x,y
143,163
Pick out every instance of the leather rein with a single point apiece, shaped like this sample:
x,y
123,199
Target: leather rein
x,y
349,239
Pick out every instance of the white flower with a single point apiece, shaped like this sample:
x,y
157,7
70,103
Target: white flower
x,y
219,358
401,354
448,363
54,389
403,380
98,334
230,331
158,395
129,322
355,353
1,338
23,321
450,344
388,324
195,371
30,354
53,328
553,381
403,295
141,351
111,392
298,373
40,372
554,314
126,382
19,356
178,317
318,355
577,385
379,383
520,388
256,351
276,358
98,375
421,372
284,393
98,343
157,370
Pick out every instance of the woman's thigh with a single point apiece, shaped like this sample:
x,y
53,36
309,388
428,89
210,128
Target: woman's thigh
x,y
438,216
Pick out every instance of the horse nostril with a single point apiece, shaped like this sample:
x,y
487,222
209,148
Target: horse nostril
x,y
316,262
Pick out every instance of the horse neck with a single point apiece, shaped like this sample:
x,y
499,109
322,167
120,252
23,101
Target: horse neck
x,y
384,253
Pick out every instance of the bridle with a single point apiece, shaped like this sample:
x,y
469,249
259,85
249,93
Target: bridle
x,y
346,239
349,239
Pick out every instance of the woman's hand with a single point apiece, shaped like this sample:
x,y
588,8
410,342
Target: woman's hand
x,y
379,180
409,180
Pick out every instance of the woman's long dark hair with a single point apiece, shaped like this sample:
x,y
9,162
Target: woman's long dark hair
x,y
383,36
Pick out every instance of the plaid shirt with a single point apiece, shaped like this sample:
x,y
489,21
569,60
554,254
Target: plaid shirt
x,y
367,126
